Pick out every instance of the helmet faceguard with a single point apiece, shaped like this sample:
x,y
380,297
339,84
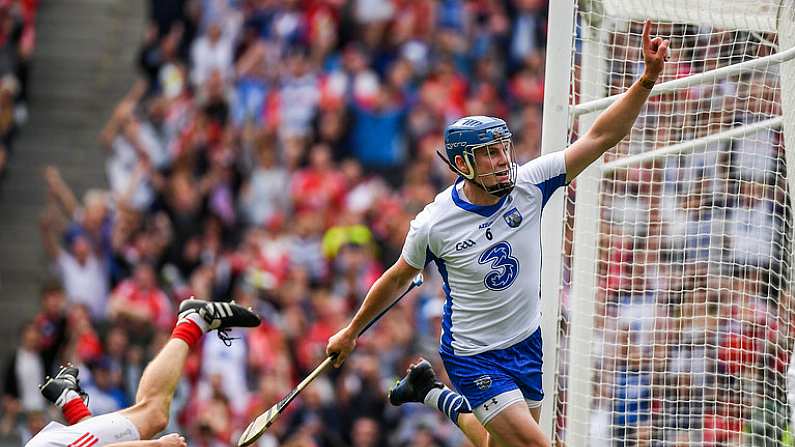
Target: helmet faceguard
x,y
484,143
491,166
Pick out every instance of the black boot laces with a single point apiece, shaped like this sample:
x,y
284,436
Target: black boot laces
x,y
223,335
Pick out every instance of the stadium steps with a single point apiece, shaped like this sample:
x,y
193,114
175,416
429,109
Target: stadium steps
x,y
83,64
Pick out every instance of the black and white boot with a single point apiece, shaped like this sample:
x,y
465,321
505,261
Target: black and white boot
x,y
219,315
57,389
419,380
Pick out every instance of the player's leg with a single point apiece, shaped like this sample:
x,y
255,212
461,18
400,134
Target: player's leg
x,y
508,421
515,426
477,433
514,421
535,411
158,382
491,382
421,385
161,376
149,415
473,429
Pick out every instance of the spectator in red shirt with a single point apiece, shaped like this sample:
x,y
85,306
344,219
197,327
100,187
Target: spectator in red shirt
x,y
318,187
140,301
723,425
328,311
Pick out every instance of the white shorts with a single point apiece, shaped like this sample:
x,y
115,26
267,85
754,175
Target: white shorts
x,y
93,432
494,406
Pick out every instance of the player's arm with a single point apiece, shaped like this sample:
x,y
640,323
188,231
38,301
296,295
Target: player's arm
x,y
152,443
170,440
381,294
614,124
48,226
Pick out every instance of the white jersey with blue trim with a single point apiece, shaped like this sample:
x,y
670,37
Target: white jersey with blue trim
x,y
489,258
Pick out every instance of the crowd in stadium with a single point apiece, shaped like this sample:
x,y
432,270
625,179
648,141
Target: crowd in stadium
x,y
273,152
17,42
694,316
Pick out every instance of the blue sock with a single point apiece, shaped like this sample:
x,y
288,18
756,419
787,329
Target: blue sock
x,y
448,402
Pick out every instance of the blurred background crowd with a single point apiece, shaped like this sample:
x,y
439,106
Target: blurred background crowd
x,y
272,152
17,42
693,307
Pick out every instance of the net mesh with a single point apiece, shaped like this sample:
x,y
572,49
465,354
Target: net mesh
x,y
692,308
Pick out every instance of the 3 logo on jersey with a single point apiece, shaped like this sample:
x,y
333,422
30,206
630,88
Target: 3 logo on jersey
x,y
504,267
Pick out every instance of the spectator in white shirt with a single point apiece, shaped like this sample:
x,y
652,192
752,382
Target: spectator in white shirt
x,y
263,196
211,52
228,362
25,371
753,227
83,273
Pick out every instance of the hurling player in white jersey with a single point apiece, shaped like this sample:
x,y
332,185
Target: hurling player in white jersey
x,y
483,233
137,425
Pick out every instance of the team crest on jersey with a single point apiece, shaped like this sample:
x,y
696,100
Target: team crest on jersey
x,y
512,217
483,382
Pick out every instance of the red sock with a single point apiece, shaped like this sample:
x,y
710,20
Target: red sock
x,y
75,410
187,331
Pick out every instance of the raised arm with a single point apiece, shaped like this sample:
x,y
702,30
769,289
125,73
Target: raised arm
x,y
60,191
615,123
381,294
49,229
123,111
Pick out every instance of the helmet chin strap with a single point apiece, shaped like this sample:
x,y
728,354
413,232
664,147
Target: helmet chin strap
x,y
500,190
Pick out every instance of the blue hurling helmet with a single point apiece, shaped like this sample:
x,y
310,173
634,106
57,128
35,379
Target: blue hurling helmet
x,y
465,136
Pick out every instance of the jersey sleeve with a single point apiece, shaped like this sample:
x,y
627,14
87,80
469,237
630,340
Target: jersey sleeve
x,y
547,173
415,248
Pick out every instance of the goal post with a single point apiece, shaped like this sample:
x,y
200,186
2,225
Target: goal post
x,y
675,301
786,24
554,138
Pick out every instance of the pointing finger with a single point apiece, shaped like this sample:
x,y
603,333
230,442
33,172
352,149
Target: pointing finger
x,y
646,33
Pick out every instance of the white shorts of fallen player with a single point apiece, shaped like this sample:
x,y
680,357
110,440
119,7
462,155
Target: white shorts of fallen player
x,y
97,431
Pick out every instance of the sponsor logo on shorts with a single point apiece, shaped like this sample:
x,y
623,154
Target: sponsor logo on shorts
x,y
488,403
483,382
127,432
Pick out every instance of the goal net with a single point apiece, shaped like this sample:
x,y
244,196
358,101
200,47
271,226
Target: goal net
x,y
676,323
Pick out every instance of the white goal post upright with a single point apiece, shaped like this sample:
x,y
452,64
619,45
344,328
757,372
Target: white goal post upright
x,y
584,250
731,91
786,35
554,138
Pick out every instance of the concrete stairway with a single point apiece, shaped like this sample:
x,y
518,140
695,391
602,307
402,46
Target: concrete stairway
x,y
84,62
